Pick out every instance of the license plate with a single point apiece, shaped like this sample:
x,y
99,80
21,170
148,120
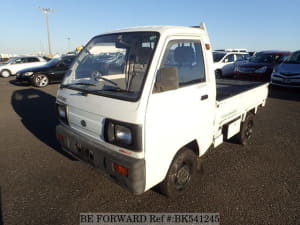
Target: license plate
x,y
84,152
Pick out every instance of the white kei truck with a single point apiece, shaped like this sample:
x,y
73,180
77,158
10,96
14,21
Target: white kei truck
x,y
142,105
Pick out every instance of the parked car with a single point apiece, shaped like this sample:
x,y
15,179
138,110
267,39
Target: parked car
x,y
233,50
51,72
261,65
287,74
224,62
252,53
13,65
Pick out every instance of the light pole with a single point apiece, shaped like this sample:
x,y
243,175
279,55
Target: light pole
x,y
69,43
46,11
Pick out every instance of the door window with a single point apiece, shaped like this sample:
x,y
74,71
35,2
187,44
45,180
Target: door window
x,y
239,57
229,58
19,61
187,57
32,59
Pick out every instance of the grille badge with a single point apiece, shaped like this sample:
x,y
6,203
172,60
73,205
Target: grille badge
x,y
83,123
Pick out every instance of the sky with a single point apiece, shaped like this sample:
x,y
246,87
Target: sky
x,y
254,24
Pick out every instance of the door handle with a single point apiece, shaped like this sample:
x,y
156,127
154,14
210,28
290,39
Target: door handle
x,y
203,97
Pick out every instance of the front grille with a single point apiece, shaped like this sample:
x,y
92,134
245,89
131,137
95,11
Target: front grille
x,y
286,82
290,74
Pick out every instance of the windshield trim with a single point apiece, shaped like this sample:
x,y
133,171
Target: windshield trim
x,y
104,93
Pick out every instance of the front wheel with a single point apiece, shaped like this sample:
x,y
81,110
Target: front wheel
x,y
40,80
180,173
5,73
246,131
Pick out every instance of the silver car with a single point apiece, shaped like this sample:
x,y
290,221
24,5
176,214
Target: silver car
x,y
287,74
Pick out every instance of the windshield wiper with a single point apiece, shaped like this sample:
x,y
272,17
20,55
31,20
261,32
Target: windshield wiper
x,y
78,83
98,76
83,83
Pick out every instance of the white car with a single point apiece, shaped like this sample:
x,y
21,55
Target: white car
x,y
224,62
13,65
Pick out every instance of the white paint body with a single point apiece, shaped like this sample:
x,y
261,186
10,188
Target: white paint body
x,y
170,119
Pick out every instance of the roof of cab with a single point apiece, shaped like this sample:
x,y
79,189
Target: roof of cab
x,y
175,30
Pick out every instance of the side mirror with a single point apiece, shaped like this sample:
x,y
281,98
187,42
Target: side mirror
x,y
225,60
166,80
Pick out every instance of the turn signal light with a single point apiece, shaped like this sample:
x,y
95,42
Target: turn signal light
x,y
60,137
120,169
207,46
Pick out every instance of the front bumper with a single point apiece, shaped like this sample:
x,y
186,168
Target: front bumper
x,y
27,79
285,81
86,149
282,84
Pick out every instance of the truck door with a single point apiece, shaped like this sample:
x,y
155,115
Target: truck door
x,y
181,111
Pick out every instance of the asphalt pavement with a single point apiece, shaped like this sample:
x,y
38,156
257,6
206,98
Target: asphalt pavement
x,y
39,184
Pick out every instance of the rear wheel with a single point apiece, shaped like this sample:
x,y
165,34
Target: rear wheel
x,y
5,73
40,80
180,173
246,131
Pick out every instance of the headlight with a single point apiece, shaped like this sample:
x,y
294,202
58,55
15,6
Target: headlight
x,y
28,73
62,113
261,70
123,134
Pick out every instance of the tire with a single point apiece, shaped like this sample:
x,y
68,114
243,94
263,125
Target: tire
x,y
246,131
218,73
5,73
180,173
40,80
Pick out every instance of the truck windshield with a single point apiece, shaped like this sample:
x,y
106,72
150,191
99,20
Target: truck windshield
x,y
113,65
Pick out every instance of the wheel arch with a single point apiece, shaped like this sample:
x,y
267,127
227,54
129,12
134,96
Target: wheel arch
x,y
251,111
193,145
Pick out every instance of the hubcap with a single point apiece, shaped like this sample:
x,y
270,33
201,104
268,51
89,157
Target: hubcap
x,y
5,73
183,176
42,80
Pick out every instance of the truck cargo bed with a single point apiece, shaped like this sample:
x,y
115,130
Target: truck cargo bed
x,y
227,88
